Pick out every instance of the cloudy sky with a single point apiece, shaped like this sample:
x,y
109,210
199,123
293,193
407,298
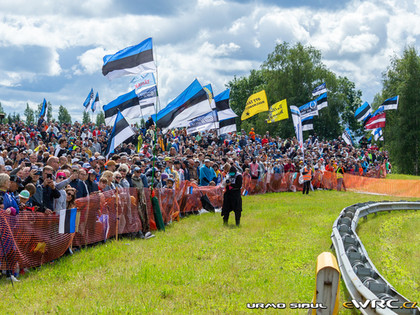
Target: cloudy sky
x,y
53,49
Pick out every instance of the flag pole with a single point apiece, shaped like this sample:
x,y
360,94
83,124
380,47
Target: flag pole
x,y
157,84
117,218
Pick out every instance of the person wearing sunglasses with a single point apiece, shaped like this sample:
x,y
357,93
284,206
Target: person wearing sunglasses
x,y
117,179
70,197
63,179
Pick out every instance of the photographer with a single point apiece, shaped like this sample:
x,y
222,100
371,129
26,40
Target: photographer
x,y
232,200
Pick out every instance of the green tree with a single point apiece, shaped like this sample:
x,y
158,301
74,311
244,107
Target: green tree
x,y
100,118
240,90
63,115
29,113
1,108
292,72
402,132
86,117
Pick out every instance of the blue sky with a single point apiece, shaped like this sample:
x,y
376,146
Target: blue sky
x,y
53,49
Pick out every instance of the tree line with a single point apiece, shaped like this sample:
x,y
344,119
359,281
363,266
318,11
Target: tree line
x,y
64,116
292,72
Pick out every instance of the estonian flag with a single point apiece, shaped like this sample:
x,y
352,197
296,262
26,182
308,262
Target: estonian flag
x,y
391,103
128,104
377,121
121,132
67,221
189,190
245,193
95,102
130,61
322,101
88,99
44,109
308,123
320,89
191,103
147,101
227,117
363,112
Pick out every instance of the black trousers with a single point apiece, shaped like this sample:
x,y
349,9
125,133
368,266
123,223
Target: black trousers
x,y
306,186
237,217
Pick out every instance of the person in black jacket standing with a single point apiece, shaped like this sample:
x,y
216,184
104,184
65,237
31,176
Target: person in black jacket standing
x,y
232,198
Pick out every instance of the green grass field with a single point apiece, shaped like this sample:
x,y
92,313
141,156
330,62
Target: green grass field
x,y
402,176
198,266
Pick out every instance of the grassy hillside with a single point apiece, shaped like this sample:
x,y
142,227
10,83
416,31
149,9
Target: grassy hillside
x,y
198,266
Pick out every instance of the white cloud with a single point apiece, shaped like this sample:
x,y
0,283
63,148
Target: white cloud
x,y
211,40
90,61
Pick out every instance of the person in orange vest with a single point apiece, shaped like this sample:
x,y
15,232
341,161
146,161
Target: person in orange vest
x,y
307,176
252,134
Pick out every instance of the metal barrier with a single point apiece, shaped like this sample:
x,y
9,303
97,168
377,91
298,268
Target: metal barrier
x,y
372,293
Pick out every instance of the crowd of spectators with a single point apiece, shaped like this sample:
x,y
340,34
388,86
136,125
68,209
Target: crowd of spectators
x,y
45,167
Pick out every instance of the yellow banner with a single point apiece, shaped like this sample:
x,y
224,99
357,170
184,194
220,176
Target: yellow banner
x,y
278,112
255,104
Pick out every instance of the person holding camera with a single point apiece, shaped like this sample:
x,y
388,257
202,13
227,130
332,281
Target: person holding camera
x,y
232,199
49,191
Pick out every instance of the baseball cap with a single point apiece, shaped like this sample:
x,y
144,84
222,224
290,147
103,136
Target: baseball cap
x,y
92,172
206,160
86,165
8,168
24,194
136,169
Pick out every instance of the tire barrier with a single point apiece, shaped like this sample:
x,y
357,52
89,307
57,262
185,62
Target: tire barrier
x,y
362,279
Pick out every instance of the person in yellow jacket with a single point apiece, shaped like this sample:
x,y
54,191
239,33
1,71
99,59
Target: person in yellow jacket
x,y
307,177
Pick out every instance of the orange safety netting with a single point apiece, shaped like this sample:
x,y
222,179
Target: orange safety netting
x,y
31,239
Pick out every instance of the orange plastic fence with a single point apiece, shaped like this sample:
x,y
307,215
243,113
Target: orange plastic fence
x,y
31,239
394,187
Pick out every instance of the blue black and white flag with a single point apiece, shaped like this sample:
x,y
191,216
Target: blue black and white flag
x,y
189,190
378,134
147,100
44,110
309,109
130,61
95,102
191,103
322,101
297,124
120,132
245,192
204,122
67,223
227,117
128,104
320,89
143,81
391,103
347,136
363,112
308,123
88,99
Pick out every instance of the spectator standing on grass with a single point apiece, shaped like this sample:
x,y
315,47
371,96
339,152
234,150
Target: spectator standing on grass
x,y
232,198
